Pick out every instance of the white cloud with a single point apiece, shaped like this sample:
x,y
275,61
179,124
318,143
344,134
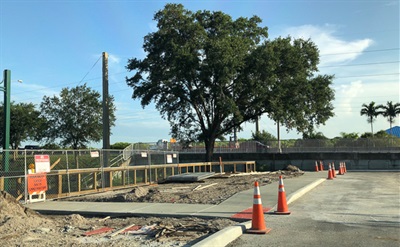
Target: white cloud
x,y
348,93
329,44
114,59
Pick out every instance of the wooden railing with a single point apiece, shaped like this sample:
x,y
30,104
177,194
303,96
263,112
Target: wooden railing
x,y
74,182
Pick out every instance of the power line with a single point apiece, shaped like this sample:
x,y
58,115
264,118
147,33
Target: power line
x,y
352,52
360,64
90,70
341,77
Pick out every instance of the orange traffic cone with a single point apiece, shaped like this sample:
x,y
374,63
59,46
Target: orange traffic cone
x,y
345,168
316,166
282,204
257,221
330,176
341,169
333,170
321,165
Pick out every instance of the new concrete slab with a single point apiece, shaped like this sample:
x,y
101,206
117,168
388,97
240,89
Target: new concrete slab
x,y
294,187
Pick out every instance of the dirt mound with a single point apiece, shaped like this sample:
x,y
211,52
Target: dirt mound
x,y
9,207
16,220
212,190
292,168
20,226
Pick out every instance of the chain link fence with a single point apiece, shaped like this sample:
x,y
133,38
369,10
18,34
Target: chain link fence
x,y
76,171
283,146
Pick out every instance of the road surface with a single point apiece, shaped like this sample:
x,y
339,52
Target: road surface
x,y
355,209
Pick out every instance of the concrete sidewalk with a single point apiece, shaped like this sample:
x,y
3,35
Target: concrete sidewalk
x,y
233,205
294,187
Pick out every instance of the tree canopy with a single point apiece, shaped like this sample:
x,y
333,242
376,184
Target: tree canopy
x,y
371,111
24,123
390,111
207,74
74,118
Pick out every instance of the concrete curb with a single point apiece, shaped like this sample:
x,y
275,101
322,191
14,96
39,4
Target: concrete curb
x,y
229,234
299,193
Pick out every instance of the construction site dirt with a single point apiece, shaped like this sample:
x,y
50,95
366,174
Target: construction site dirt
x,y
20,226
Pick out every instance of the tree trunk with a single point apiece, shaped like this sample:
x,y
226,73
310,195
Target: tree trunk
x,y
279,137
209,143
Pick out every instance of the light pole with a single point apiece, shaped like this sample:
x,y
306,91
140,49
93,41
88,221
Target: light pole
x,y
6,118
6,123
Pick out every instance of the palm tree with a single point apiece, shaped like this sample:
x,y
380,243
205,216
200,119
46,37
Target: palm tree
x,y
390,111
371,111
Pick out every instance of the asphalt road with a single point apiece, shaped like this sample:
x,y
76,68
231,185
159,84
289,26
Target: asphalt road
x,y
355,209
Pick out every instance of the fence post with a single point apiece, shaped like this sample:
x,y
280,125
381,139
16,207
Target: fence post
x,y
79,182
95,180
123,177
59,184
111,179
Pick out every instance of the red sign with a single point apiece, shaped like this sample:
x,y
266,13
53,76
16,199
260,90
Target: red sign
x,y
37,183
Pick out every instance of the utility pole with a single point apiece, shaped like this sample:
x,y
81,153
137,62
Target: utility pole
x,y
106,114
106,118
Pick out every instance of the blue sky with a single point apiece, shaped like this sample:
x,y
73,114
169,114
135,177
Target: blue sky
x,y
51,45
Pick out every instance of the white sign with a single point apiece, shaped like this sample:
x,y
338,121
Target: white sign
x,y
143,154
42,163
94,154
169,158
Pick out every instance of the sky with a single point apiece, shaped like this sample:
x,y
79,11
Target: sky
x,y
51,45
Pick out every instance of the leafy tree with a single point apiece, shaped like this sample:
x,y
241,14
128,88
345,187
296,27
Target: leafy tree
x,y
207,74
390,111
24,123
51,146
371,111
299,100
263,136
192,70
74,118
349,135
120,145
314,135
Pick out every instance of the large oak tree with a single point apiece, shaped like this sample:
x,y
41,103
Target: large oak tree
x,y
207,74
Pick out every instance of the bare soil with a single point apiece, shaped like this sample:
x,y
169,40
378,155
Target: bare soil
x,y
20,226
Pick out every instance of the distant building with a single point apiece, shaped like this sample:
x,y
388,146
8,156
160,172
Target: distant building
x,y
394,131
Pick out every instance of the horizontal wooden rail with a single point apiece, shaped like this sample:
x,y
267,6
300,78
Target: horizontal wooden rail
x,y
74,182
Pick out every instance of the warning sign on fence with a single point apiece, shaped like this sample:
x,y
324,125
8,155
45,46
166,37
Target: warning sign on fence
x,y
42,163
37,183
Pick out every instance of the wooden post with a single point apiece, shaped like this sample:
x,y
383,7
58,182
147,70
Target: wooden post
x,y
134,177
59,185
165,172
145,176
1,183
19,185
123,177
79,182
95,180
111,179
